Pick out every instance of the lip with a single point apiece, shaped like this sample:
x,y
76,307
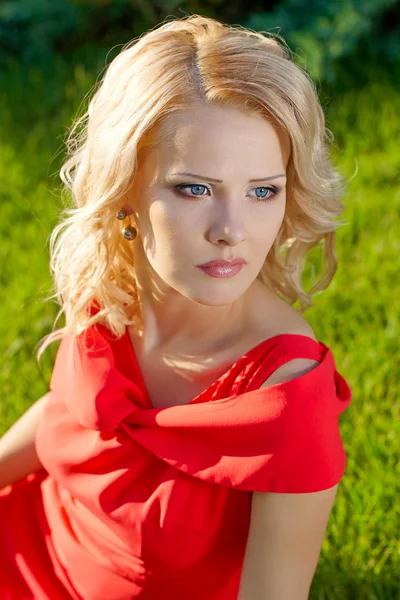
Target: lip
x,y
224,263
222,271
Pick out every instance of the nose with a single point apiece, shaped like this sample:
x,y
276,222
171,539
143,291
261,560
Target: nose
x,y
227,228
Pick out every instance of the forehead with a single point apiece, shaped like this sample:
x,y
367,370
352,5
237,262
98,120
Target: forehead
x,y
219,135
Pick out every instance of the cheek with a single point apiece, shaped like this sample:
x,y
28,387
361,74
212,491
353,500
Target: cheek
x,y
267,228
174,228
169,227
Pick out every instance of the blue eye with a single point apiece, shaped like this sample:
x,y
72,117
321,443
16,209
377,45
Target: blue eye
x,y
196,186
192,185
269,189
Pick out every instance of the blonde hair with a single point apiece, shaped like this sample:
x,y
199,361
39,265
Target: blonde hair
x,y
173,67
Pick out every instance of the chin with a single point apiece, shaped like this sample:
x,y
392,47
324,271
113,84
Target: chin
x,y
217,294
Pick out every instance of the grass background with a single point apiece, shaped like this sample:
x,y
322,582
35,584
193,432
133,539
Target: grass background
x,y
357,316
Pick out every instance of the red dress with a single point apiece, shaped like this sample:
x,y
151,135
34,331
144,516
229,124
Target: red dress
x,y
154,503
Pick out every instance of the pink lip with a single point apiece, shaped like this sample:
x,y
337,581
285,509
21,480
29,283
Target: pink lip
x,y
224,263
227,270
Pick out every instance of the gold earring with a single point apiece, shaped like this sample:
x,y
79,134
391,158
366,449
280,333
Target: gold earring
x,y
128,232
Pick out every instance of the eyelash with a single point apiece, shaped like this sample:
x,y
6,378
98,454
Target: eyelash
x,y
181,186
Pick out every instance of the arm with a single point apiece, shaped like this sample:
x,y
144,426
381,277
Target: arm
x,y
18,456
285,538
286,530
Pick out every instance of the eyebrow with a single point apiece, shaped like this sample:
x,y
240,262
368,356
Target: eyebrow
x,y
220,180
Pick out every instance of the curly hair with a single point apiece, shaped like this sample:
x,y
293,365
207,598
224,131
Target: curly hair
x,y
215,64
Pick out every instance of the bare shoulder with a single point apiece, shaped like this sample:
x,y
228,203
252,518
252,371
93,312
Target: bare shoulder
x,y
286,529
277,317
272,316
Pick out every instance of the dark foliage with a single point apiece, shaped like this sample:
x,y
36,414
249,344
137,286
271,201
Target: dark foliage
x,y
322,33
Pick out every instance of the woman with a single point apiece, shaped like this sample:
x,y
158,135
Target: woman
x,y
189,445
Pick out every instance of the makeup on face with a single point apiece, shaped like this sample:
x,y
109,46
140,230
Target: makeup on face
x,y
223,268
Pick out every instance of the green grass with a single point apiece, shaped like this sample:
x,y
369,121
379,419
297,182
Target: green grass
x,y
357,316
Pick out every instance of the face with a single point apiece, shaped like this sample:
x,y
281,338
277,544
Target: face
x,y
215,212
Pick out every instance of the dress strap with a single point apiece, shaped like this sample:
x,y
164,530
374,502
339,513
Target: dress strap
x,y
278,351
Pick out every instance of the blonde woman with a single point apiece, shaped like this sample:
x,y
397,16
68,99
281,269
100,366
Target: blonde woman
x,y
189,446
